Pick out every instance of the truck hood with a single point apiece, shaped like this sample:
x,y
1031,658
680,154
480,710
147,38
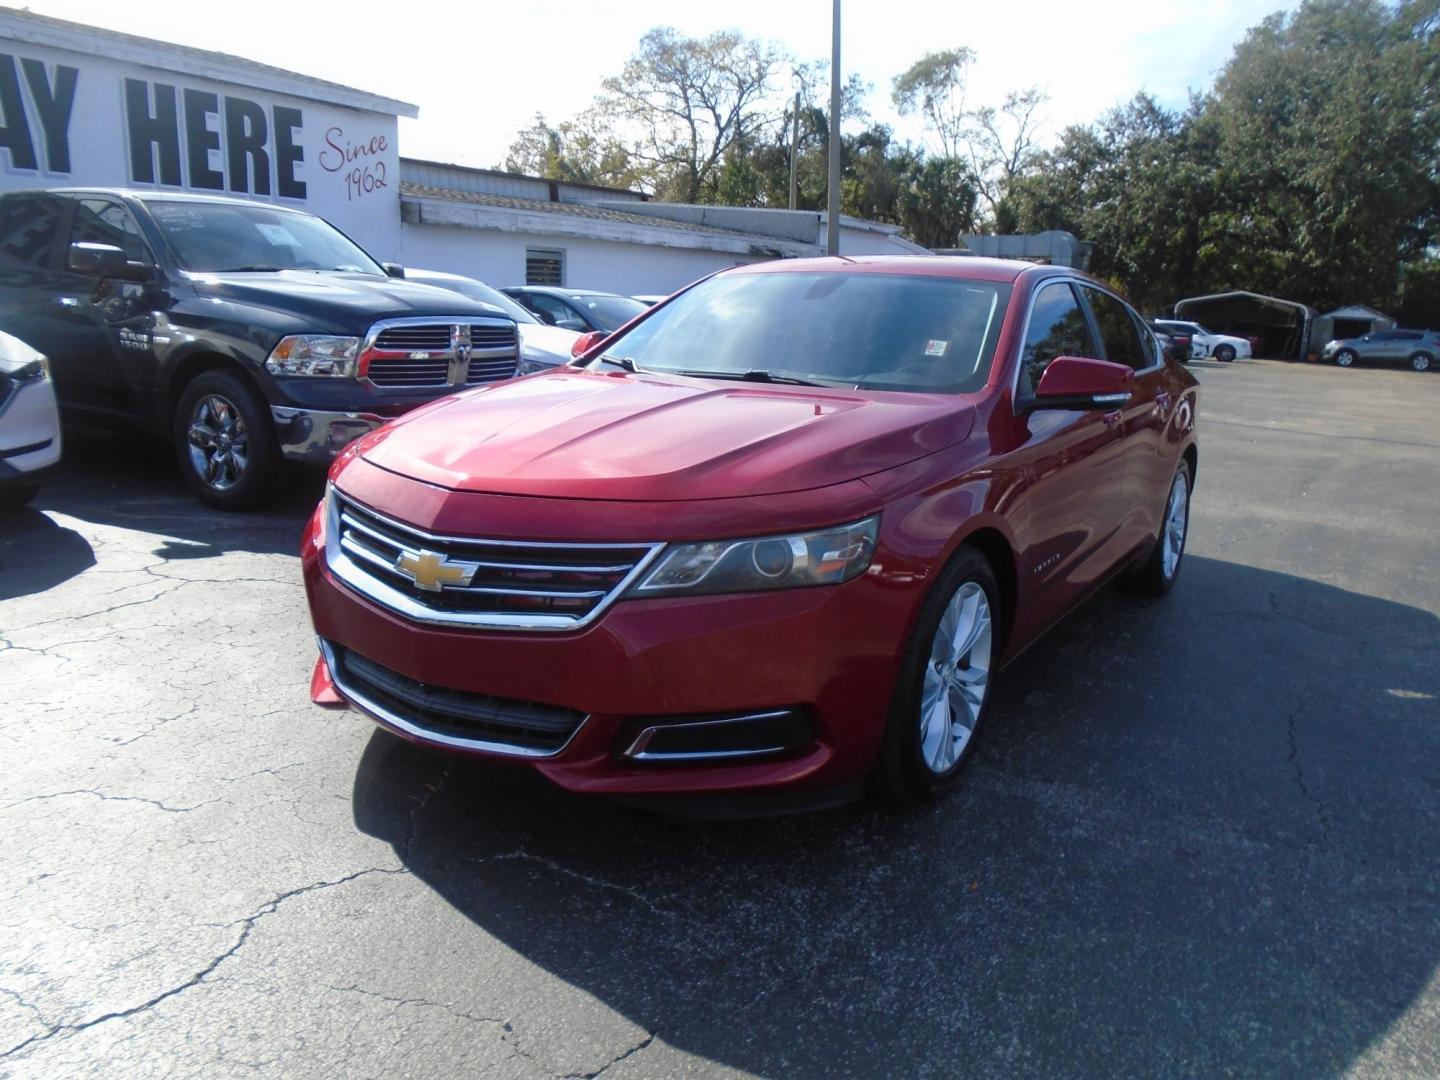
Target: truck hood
x,y
337,302
650,437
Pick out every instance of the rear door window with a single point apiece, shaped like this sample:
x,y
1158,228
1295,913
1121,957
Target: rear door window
x,y
1057,328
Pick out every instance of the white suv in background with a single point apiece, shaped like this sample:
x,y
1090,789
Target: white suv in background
x,y
1224,347
29,422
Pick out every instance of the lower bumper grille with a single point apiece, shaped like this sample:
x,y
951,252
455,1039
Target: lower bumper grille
x,y
457,718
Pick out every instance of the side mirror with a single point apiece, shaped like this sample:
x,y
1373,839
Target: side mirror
x,y
393,270
585,342
1080,382
105,261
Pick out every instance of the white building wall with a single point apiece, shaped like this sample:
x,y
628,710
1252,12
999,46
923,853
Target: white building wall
x,y
498,258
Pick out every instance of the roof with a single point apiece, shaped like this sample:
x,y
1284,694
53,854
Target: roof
x,y
574,210
967,267
637,196
1274,301
21,25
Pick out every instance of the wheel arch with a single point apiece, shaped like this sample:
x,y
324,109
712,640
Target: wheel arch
x,y
184,371
995,546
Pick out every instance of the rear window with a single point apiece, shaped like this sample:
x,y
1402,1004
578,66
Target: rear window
x,y
869,330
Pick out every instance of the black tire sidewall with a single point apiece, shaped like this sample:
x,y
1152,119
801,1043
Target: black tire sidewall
x,y
263,456
18,496
902,772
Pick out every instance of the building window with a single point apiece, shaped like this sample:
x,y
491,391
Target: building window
x,y
544,266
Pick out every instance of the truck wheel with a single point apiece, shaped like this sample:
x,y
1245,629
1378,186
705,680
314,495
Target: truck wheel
x,y
224,441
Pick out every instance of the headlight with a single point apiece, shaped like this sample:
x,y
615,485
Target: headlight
x,y
825,557
529,365
314,354
24,365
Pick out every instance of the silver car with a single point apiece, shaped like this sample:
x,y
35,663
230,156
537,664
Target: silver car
x,y
29,422
1417,348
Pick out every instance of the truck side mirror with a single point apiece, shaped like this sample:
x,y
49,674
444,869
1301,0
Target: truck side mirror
x,y
105,261
393,270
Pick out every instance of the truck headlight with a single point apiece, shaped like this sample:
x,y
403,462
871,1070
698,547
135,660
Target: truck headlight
x,y
823,557
314,354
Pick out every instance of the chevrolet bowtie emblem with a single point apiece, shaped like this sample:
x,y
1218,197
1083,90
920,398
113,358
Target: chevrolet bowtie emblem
x,y
432,572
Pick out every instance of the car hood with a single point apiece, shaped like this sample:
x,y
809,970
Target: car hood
x,y
547,342
344,303
586,435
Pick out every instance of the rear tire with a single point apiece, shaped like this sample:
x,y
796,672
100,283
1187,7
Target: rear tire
x,y
224,441
13,498
1225,353
1421,361
1346,357
1157,575
943,691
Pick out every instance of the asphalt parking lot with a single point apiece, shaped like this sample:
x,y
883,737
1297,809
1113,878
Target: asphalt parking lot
x,y
1202,836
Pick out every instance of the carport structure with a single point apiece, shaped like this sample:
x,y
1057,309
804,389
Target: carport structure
x,y
1282,326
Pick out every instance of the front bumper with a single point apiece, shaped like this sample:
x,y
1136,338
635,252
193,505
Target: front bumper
x,y
314,436
828,654
30,443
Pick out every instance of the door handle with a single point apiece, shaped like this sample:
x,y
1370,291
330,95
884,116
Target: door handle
x,y
1112,418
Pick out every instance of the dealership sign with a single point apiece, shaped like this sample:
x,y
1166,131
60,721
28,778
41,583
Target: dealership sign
x,y
68,118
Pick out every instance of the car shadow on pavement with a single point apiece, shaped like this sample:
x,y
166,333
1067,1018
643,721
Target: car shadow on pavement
x,y
1200,836
37,554
132,482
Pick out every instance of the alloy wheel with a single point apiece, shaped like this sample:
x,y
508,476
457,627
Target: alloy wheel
x,y
1344,358
1420,362
957,676
1177,517
219,444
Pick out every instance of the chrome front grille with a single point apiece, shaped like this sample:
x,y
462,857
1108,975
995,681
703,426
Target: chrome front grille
x,y
499,584
437,353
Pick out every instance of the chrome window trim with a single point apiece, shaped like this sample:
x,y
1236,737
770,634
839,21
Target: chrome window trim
x,y
636,750
387,718
367,586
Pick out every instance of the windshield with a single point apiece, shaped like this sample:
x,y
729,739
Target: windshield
x,y
219,237
484,294
610,312
878,331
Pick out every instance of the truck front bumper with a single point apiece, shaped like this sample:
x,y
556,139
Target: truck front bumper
x,y
314,436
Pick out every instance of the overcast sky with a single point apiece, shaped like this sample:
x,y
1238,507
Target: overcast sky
x,y
479,70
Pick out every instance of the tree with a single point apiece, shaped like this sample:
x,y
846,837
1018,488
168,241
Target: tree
x,y
934,86
682,104
937,201
1003,143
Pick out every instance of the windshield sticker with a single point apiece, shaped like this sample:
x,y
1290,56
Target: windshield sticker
x,y
277,235
936,348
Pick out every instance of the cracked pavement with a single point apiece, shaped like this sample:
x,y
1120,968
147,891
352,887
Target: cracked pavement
x,y
1201,836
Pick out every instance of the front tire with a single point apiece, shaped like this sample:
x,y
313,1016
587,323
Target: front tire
x,y
1157,575
1421,361
1346,357
943,692
1225,354
224,441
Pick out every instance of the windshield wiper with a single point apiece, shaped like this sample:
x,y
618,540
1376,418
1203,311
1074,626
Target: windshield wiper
x,y
623,362
753,375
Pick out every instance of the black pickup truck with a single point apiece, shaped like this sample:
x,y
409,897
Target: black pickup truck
x,y
246,332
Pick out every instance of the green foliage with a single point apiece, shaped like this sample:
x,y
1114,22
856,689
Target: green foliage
x,y
1311,170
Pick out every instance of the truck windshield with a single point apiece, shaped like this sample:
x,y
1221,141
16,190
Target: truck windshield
x,y
869,330
218,237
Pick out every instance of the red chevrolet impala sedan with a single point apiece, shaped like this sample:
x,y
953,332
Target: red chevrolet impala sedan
x,y
776,535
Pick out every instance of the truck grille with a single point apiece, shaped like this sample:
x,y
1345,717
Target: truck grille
x,y
402,353
501,584
451,717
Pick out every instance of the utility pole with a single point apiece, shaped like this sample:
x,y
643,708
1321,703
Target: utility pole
x,y
832,206
794,146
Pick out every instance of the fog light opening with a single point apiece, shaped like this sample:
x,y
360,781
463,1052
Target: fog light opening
x,y
762,733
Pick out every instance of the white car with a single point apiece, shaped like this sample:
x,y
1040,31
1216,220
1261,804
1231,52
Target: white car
x,y
541,347
1224,347
29,422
